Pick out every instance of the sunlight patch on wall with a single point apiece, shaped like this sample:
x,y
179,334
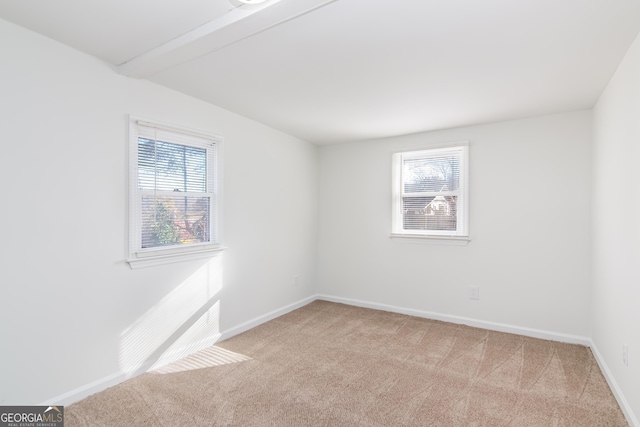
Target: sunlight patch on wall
x,y
204,333
184,321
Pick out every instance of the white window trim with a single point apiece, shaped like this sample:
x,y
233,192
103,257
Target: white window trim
x,y
427,239
140,258
461,238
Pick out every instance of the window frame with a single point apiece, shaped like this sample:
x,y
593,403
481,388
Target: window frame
x,y
461,233
140,257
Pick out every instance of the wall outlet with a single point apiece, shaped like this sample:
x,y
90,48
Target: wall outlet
x,y
474,292
295,280
625,354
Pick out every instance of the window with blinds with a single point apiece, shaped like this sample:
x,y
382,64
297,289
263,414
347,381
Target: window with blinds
x,y
174,204
430,192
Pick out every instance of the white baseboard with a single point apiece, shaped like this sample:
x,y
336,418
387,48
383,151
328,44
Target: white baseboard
x,y
492,326
529,332
266,317
114,379
104,383
86,390
615,388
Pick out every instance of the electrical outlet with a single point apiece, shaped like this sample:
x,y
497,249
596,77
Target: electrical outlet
x,y
295,280
474,292
625,354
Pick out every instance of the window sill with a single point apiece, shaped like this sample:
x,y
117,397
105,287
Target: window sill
x,y
433,240
161,259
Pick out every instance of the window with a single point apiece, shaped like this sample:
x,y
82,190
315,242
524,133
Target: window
x,y
430,193
174,194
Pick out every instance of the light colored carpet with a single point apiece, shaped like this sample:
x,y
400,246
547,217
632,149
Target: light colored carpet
x,y
330,364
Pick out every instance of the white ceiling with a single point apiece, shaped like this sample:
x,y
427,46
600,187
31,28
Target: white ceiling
x,y
332,71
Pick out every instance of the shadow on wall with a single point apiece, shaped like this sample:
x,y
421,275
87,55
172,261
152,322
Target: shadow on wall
x,y
183,322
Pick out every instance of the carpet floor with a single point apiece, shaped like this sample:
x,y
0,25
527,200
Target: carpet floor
x,y
329,364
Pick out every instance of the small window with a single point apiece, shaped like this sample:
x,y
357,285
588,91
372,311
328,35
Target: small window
x,y
174,194
430,192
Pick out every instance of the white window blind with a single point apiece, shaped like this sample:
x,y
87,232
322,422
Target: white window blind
x,y
174,206
430,192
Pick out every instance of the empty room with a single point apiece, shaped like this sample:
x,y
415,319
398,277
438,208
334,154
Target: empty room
x,y
320,212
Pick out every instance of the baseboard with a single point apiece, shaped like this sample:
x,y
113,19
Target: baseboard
x,y
534,333
114,379
615,388
111,380
236,330
85,391
492,326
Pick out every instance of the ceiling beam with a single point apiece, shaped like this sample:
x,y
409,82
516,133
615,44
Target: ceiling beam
x,y
236,25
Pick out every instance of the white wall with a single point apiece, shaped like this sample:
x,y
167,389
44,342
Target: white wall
x,y
529,227
72,312
616,225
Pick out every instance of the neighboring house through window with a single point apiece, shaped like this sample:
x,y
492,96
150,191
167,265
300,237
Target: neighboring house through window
x,y
430,189
174,206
